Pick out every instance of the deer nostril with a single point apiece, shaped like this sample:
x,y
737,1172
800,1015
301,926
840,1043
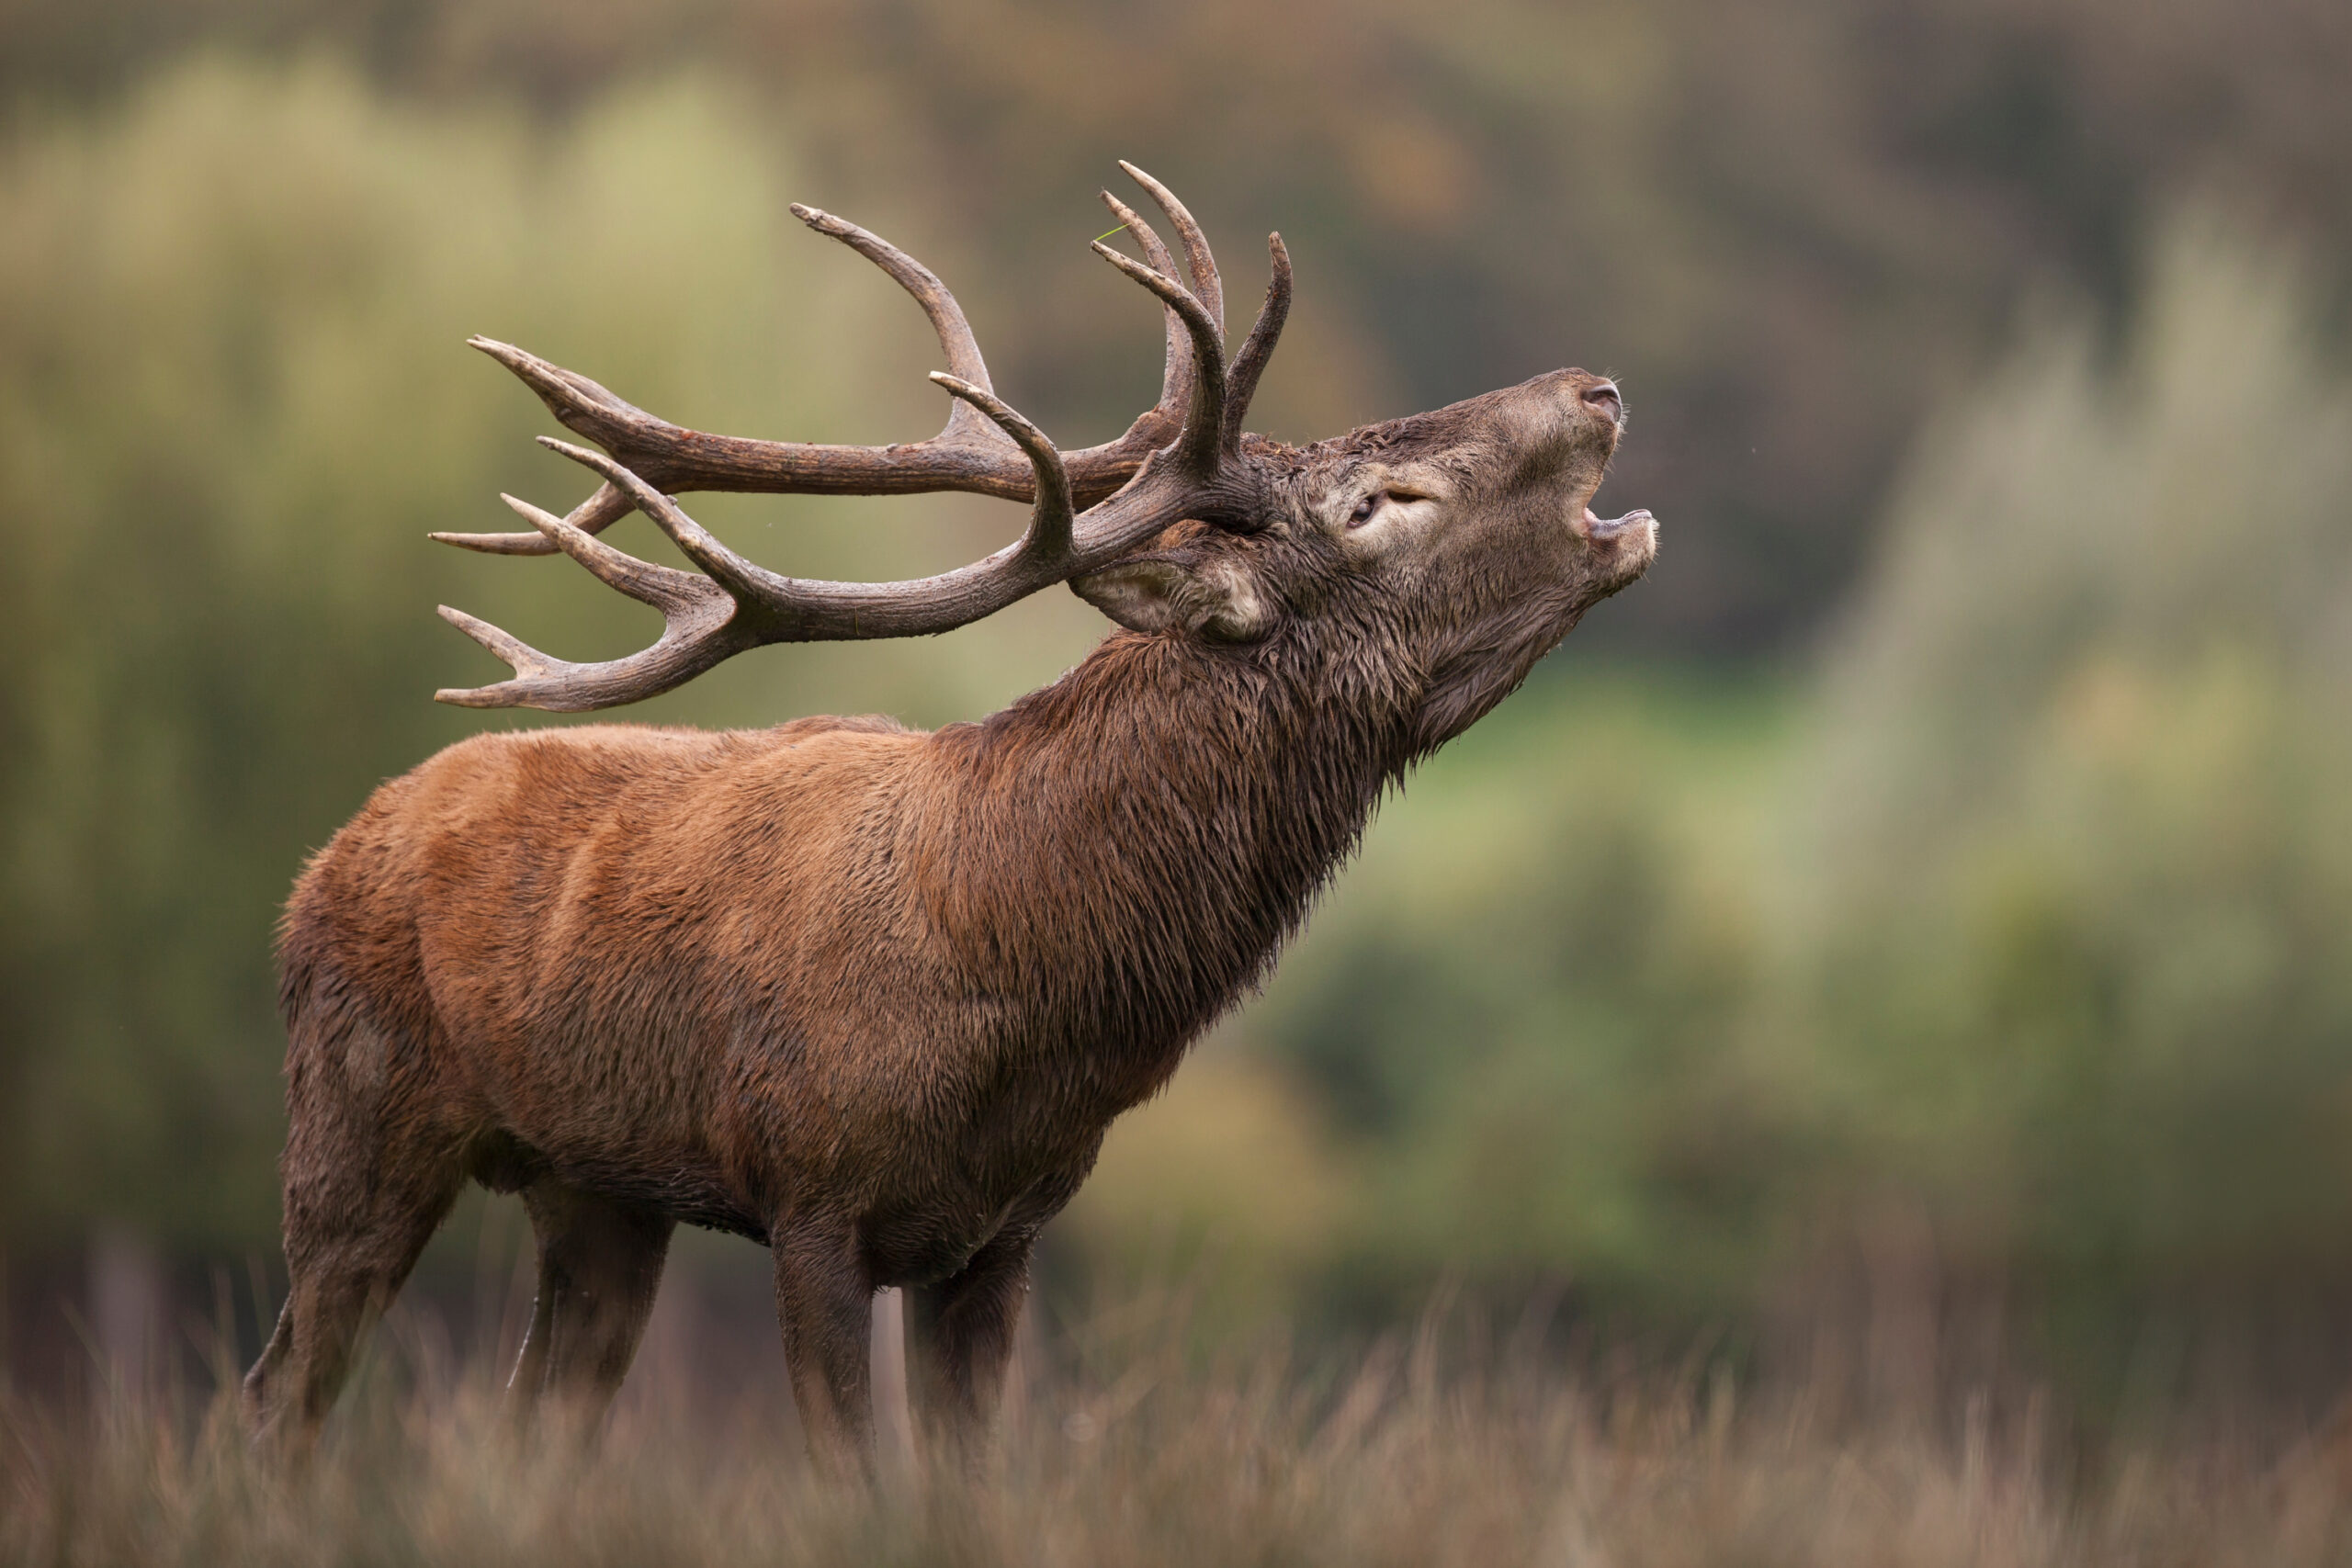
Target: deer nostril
x,y
1603,397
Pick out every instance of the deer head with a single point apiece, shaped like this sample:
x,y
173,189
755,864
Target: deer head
x,y
1446,552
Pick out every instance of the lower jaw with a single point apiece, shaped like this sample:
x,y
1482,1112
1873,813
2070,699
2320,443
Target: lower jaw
x,y
1606,530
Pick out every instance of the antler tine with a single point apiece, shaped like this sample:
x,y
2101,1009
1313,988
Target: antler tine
x,y
594,516
663,587
1206,286
955,338
527,661
1241,382
1196,447
690,644
1176,375
1053,519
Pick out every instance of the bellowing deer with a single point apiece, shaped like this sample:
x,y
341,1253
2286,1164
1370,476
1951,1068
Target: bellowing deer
x,y
869,995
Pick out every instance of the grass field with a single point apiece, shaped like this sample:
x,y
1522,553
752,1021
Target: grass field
x,y
1418,1450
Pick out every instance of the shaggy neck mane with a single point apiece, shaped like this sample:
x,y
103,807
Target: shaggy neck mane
x,y
1181,805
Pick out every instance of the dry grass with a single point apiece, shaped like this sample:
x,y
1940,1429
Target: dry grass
x,y
1158,1461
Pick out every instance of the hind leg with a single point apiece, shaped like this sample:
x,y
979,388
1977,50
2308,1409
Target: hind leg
x,y
600,1263
350,1243
369,1174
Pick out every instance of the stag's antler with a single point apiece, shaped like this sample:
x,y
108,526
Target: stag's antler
x,y
1180,459
969,454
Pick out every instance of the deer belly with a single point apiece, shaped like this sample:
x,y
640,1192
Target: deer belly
x,y
692,1188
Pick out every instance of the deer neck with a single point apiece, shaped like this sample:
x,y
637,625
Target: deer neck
x,y
1156,824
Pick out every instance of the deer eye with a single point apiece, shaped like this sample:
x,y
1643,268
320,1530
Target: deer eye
x,y
1364,509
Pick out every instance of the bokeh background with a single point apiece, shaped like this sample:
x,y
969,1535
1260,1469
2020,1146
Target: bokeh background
x,y
1910,932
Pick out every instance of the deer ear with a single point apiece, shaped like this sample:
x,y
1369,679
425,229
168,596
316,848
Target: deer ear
x,y
1140,594
1158,594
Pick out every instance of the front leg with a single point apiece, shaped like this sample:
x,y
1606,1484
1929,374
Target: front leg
x,y
960,1335
824,1295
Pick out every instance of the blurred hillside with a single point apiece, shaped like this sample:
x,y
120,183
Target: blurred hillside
x,y
1931,883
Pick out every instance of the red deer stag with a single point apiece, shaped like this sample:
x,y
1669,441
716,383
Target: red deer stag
x,y
866,995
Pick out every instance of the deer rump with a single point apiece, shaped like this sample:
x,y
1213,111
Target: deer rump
x,y
869,995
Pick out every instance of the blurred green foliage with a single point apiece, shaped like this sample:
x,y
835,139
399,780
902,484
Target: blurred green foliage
x,y
2079,945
